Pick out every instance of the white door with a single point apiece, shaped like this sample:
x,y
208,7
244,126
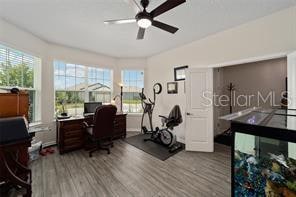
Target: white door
x,y
199,135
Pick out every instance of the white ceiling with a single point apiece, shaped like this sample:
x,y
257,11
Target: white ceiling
x,y
79,23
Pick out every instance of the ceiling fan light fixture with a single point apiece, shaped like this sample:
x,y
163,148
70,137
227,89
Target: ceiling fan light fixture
x,y
145,19
144,23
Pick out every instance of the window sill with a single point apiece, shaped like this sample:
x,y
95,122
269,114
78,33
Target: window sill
x,y
35,124
134,114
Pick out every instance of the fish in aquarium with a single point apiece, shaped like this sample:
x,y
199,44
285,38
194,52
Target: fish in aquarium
x,y
248,178
279,158
273,176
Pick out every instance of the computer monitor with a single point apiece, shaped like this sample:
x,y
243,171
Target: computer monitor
x,y
91,107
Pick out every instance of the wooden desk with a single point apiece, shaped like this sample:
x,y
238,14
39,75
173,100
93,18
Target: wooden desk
x,y
71,134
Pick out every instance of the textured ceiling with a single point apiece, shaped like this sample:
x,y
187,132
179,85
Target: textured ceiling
x,y
79,23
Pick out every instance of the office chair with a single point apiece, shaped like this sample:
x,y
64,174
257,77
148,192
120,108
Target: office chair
x,y
101,132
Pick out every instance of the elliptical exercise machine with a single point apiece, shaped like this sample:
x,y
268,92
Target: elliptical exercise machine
x,y
164,135
148,106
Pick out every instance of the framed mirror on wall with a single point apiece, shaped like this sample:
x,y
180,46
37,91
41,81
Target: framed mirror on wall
x,y
179,73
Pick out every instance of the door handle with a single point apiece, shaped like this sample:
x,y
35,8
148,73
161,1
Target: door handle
x,y
189,114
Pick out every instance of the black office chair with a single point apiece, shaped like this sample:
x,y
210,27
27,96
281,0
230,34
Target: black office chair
x,y
101,132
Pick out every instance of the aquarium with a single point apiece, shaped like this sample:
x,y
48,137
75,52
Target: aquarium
x,y
264,154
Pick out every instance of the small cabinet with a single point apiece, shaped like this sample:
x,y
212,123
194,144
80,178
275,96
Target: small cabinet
x,y
14,104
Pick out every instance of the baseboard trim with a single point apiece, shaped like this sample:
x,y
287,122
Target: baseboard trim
x,y
133,129
47,144
181,140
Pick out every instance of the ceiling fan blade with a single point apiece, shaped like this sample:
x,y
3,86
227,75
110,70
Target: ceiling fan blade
x,y
133,3
164,26
120,21
166,6
141,33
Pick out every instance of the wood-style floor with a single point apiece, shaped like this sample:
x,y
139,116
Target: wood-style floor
x,y
128,171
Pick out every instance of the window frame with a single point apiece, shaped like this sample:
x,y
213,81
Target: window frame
x,y
140,110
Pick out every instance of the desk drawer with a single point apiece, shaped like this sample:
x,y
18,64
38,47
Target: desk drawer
x,y
69,127
120,118
73,133
71,147
73,142
120,122
118,126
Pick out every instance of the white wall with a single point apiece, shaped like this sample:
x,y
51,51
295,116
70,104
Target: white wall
x,y
273,34
17,38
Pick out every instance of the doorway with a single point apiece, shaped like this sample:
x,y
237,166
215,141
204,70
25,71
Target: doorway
x,y
238,87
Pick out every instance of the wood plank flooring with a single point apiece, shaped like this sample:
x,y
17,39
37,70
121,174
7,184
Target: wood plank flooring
x,y
128,171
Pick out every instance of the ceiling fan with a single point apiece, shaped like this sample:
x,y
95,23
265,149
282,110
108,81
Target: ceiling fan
x,y
145,19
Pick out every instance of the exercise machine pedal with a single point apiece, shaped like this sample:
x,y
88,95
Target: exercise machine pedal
x,y
145,130
175,147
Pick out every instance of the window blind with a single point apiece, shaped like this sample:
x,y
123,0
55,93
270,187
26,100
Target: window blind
x,y
14,63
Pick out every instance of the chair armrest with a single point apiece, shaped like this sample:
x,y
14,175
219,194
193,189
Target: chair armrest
x,y
86,125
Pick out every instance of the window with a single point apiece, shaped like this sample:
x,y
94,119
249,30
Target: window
x,y
18,69
76,84
133,82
